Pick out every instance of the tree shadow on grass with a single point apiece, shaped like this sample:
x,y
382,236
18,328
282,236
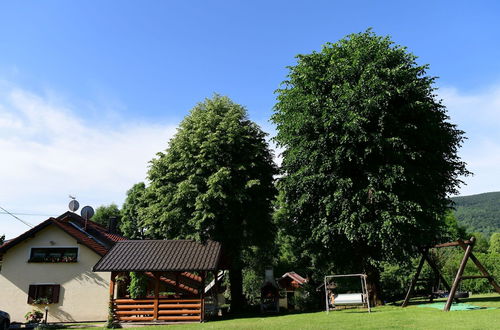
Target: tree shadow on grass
x,y
482,299
253,315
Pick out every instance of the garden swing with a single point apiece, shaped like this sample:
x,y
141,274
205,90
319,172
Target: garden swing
x,y
452,293
334,299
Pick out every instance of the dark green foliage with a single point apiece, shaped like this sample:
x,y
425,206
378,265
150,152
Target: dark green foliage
x,y
479,213
452,229
105,212
369,154
138,285
215,181
495,243
2,238
252,282
132,224
395,279
308,298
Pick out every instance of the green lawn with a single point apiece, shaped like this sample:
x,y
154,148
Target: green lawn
x,y
385,317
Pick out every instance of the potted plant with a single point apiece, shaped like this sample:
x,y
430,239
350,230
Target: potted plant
x,y
33,316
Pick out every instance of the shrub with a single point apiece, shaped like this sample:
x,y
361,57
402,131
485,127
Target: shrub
x,y
138,285
33,316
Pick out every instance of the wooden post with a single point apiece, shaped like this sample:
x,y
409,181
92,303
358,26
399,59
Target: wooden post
x,y
156,295
458,278
482,269
215,289
177,278
436,271
414,280
202,296
111,308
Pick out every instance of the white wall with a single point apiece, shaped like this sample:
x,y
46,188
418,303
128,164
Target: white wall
x,y
84,294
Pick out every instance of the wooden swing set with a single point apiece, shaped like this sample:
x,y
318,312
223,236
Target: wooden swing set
x,y
467,246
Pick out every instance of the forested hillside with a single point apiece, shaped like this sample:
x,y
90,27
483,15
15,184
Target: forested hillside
x,y
479,213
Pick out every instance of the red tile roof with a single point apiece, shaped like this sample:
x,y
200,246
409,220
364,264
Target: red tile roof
x,y
294,276
94,236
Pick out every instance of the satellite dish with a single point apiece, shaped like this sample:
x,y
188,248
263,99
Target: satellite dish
x,y
73,205
87,212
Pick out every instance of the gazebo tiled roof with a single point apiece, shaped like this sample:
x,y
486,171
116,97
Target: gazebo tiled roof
x,y
161,255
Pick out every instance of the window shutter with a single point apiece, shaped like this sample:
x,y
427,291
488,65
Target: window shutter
x,y
31,294
55,293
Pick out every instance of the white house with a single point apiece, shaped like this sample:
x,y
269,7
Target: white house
x,y
52,263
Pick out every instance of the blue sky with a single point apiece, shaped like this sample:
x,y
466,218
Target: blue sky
x,y
90,90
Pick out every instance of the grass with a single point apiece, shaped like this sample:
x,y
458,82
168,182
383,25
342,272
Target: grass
x,y
384,317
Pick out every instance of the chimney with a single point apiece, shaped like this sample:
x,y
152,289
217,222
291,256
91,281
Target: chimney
x,y
112,224
269,275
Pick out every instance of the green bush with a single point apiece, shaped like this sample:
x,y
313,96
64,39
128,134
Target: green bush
x,y
307,298
138,285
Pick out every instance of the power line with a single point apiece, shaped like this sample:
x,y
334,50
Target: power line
x,y
17,218
30,214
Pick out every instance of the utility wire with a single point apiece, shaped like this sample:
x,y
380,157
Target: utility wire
x,y
17,218
30,214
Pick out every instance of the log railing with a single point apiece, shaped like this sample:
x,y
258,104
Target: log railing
x,y
158,309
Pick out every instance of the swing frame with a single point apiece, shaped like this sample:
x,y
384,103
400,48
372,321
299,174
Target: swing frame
x,y
467,246
364,290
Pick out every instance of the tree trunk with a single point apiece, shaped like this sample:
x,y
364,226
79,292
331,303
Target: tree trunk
x,y
236,282
373,285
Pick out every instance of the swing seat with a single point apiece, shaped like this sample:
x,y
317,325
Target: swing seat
x,y
445,294
349,299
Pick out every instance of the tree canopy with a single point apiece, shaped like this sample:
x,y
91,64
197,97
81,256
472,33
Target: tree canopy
x,y
495,243
132,224
369,153
214,181
104,212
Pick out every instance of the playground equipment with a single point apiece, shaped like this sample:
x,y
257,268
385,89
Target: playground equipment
x,y
452,293
334,299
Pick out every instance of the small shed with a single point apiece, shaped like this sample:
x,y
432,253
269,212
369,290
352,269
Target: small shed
x,y
177,271
289,283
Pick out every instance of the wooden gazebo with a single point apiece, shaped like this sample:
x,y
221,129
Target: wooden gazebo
x,y
176,272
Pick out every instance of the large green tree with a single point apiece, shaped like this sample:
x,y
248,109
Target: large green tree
x,y
370,156
132,224
105,212
215,181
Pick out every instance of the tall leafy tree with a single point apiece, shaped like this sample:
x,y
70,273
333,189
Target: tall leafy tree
x,y
105,212
495,243
2,239
132,224
369,154
215,181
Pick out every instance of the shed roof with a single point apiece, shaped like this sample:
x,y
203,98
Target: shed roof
x,y
161,255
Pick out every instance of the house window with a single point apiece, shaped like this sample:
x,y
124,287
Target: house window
x,y
43,293
53,254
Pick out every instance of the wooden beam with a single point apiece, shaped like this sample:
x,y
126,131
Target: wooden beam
x,y
215,289
483,269
202,296
460,272
456,243
436,270
156,295
177,284
111,307
413,281
112,283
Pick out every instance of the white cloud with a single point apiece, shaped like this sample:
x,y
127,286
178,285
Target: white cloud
x,y
48,152
478,114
